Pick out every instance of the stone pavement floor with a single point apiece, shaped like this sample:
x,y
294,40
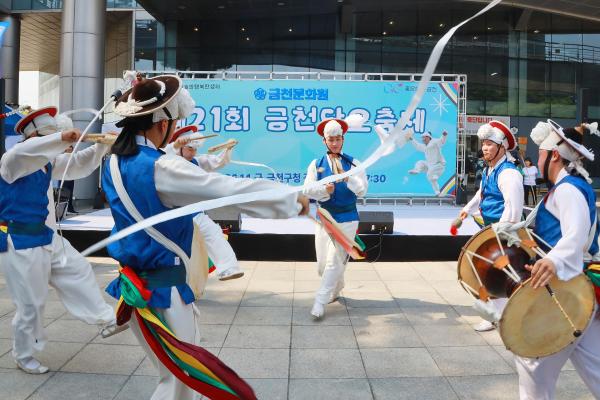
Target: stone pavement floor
x,y
401,331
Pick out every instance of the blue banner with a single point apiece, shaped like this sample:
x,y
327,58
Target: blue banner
x,y
275,124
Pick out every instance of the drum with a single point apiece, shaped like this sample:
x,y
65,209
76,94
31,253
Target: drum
x,y
532,325
487,267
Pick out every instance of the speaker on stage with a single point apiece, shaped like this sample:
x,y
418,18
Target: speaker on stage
x,y
376,222
231,220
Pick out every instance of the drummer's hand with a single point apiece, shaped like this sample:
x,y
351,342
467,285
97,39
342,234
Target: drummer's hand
x,y
542,272
463,215
71,135
179,143
330,187
304,201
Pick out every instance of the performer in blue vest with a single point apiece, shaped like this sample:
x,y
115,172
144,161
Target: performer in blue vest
x,y
141,181
32,254
499,199
218,248
339,199
567,221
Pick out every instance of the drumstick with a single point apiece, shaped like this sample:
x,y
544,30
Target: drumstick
x,y
202,137
227,145
576,332
99,138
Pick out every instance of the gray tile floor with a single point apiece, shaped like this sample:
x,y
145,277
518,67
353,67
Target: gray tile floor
x,y
401,331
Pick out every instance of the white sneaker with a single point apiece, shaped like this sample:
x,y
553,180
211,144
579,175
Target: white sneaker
x,y
485,326
31,366
231,273
318,310
112,329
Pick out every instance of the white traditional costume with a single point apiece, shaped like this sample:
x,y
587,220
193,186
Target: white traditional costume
x,y
341,204
141,181
567,221
218,248
500,195
434,163
32,254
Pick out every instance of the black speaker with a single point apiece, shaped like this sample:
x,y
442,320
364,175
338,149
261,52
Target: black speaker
x,y
231,220
375,222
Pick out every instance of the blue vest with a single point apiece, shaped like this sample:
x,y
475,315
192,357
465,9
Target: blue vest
x,y
195,162
139,251
492,201
342,202
24,207
547,226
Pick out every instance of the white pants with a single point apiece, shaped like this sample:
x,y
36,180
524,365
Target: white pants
x,y
331,261
28,273
433,173
537,377
181,320
218,248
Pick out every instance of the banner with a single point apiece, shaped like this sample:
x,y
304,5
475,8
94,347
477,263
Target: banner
x,y
3,27
475,121
275,124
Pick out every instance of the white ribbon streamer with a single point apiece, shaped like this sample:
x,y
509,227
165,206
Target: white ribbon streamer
x,y
271,194
252,164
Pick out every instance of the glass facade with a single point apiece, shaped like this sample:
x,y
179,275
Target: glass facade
x,y
534,71
27,5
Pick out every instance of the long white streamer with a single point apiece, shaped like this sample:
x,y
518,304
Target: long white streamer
x,y
278,193
252,164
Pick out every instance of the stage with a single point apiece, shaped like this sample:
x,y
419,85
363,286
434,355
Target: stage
x,y
421,233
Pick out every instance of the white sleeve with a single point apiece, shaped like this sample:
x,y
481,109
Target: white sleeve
x,y
575,225
472,206
358,183
30,156
212,162
510,183
419,146
170,149
317,193
179,183
83,163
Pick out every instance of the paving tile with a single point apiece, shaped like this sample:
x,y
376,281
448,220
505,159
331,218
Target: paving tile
x,y
138,387
99,358
377,316
273,275
413,389
347,389
570,386
256,337
361,299
353,274
507,356
221,298
263,316
54,356
267,299
146,367
257,363
466,361
125,337
80,387
16,385
490,387
449,335
410,286
71,331
335,314
419,299
326,363
212,335
399,362
432,315
381,336
270,389
323,337
216,314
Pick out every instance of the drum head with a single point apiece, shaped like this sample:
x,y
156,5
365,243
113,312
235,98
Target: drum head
x,y
532,324
465,271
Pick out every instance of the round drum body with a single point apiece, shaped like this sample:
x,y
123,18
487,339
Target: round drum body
x,y
533,326
496,282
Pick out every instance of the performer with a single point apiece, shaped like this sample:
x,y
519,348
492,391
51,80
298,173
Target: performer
x,y
141,181
500,195
218,248
339,199
31,253
567,221
434,163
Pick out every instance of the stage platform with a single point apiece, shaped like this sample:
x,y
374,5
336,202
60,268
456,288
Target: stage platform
x,y
421,233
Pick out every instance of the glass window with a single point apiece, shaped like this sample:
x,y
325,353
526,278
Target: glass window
x,y
145,44
563,96
534,85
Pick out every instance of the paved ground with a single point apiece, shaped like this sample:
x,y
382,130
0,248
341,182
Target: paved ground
x,y
402,332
